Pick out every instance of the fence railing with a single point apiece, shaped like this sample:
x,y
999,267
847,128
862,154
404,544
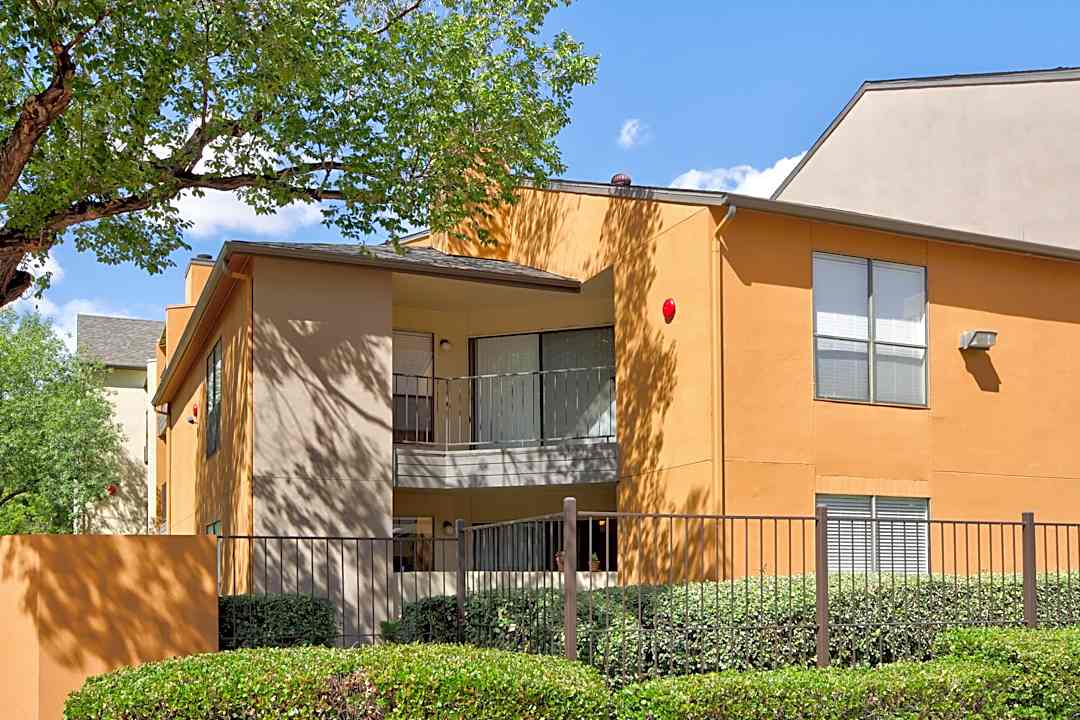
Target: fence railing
x,y
505,409
645,594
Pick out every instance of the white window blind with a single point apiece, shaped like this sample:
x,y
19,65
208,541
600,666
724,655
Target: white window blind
x,y
414,363
877,534
869,330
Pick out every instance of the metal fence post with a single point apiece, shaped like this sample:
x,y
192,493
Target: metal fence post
x,y
1031,610
459,531
821,571
570,576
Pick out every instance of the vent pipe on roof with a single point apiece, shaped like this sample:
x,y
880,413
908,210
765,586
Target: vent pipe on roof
x,y
620,180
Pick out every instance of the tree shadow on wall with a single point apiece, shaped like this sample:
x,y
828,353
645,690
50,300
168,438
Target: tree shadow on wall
x,y
100,602
544,230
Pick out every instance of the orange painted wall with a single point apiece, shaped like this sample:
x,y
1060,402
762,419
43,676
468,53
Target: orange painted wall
x,y
998,435
206,489
664,373
76,606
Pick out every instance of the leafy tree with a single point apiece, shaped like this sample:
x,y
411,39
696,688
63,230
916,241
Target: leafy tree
x,y
59,445
394,113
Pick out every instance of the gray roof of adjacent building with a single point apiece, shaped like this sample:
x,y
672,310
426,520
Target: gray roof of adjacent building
x,y
117,341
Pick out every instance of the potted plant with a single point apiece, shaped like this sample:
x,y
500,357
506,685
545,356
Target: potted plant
x,y
594,563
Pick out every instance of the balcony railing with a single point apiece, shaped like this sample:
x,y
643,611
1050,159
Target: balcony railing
x,y
505,410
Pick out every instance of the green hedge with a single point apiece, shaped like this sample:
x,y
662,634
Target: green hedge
x,y
248,621
978,673
659,631
1047,663
384,682
942,689
975,674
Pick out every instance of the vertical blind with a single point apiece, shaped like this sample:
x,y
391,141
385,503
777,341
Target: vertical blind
x,y
869,330
877,534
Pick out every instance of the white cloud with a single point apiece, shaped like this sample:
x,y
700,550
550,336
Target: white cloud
x,y
633,133
741,179
63,316
219,211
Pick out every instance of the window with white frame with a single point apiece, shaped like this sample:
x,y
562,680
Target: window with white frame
x,y
869,533
869,330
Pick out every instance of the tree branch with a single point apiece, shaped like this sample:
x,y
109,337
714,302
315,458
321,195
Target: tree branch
x,y
5,499
398,16
38,112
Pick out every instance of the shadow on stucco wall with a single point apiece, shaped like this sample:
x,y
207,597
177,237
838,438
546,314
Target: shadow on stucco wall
x,y
83,604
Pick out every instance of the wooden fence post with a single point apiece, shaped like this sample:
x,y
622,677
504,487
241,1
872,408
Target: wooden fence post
x,y
459,531
821,572
1031,610
570,576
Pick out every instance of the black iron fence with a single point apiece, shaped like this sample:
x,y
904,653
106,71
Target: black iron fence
x,y
647,594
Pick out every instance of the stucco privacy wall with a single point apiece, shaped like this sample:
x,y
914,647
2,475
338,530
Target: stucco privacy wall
x,y
75,606
999,159
322,399
998,436
664,372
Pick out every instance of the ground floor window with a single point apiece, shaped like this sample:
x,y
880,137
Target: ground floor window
x,y
413,543
870,533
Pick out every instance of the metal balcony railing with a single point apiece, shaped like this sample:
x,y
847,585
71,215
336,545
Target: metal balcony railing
x,y
506,409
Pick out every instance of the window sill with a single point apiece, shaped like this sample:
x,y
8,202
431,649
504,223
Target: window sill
x,y
870,403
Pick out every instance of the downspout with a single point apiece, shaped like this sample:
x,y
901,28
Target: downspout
x,y
716,280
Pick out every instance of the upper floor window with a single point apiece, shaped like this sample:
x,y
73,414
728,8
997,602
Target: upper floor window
x,y
869,330
213,399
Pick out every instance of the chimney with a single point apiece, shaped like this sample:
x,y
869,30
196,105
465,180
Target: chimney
x,y
198,272
620,180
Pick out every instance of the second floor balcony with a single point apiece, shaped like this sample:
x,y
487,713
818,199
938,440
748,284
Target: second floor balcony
x,y
531,427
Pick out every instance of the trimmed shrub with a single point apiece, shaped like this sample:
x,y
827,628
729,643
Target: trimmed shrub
x,y
659,631
1047,663
382,682
249,621
942,689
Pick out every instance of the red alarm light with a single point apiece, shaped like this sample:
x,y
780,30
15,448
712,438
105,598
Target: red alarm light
x,y
669,310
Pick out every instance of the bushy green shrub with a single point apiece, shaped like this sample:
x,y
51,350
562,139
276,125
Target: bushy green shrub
x,y
1047,663
659,631
248,621
977,673
382,682
941,689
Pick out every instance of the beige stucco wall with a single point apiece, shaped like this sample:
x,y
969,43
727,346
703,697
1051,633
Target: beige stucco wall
x,y
125,512
996,159
322,399
76,606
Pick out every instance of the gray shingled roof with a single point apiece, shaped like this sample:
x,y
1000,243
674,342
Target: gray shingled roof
x,y
417,259
115,341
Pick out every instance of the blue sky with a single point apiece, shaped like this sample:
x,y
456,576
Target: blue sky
x,y
711,94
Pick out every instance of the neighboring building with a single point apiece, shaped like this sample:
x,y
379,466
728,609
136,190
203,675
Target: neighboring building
x,y
126,347
813,357
997,154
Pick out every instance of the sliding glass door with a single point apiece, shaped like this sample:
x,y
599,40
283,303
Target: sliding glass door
x,y
544,386
579,383
506,390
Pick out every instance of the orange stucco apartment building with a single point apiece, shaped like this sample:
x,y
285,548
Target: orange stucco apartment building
x,y
641,349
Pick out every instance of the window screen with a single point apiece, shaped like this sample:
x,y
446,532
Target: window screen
x,y
869,330
877,534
